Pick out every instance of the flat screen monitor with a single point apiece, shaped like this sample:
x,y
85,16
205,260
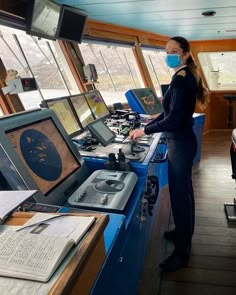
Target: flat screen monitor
x,y
71,24
101,132
10,178
43,153
82,109
97,104
42,18
144,101
65,114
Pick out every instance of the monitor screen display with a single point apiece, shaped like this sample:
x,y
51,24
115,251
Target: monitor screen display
x,y
144,101
97,104
149,100
71,24
64,112
44,152
82,109
42,18
101,132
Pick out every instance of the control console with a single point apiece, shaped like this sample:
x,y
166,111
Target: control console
x,y
105,189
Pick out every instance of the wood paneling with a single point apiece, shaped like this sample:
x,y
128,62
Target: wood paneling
x,y
105,30
17,8
9,103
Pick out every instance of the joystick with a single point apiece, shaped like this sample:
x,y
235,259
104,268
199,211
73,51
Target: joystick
x,y
136,148
111,164
122,163
129,153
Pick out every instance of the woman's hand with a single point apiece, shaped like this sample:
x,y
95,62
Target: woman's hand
x,y
136,133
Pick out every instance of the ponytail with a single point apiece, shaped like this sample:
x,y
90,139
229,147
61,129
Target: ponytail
x,y
202,92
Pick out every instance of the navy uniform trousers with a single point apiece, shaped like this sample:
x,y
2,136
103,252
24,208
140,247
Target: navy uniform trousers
x,y
181,152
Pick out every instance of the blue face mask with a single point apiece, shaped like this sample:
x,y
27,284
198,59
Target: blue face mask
x,y
173,60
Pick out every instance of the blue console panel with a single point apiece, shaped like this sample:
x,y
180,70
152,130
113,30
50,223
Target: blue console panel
x,y
199,120
127,235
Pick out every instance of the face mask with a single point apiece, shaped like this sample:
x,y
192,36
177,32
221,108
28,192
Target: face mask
x,y
173,60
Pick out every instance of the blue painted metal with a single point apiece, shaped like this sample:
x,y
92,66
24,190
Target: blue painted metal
x,y
199,120
127,251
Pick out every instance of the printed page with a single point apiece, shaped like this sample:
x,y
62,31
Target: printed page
x,y
10,200
68,226
15,286
31,256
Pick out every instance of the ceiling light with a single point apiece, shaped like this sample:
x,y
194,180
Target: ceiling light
x,y
209,13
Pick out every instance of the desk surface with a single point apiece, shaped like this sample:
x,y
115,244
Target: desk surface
x,y
81,270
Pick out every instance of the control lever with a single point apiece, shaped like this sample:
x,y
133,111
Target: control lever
x,y
136,148
123,165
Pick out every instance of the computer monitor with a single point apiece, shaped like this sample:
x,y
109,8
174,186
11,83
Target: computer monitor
x,y
10,178
82,109
71,24
65,114
43,154
144,101
97,104
42,17
101,132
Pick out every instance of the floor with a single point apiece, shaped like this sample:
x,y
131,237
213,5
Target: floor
x,y
212,265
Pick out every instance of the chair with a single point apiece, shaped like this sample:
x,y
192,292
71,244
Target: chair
x,y
230,208
230,99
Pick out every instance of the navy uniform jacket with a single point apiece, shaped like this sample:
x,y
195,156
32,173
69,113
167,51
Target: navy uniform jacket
x,y
178,105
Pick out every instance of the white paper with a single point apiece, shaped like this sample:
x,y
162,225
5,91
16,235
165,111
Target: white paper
x,y
10,200
68,226
31,256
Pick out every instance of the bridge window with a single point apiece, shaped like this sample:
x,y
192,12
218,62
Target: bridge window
x,y
158,70
219,69
1,111
33,57
116,68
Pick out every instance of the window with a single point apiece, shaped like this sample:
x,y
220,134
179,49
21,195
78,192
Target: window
x,y
39,53
1,112
116,67
158,70
219,69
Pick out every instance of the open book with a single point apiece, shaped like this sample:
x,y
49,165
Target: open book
x,y
35,251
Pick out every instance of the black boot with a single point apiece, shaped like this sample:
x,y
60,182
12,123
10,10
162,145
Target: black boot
x,y
174,262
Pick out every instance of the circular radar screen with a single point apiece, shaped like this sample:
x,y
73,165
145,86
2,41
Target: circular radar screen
x,y
40,155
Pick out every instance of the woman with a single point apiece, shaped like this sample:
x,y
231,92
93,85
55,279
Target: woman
x,y
176,121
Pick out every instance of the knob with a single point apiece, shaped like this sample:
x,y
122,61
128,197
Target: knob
x,y
83,193
104,199
78,198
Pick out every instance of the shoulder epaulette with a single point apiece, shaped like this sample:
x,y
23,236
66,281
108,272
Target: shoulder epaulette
x,y
181,73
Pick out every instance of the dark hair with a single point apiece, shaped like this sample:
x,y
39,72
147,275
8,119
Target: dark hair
x,y
202,93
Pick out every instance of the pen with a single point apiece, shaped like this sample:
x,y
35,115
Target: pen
x,y
42,221
48,219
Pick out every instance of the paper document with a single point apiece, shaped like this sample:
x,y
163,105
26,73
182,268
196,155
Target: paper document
x,y
10,200
63,225
33,257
